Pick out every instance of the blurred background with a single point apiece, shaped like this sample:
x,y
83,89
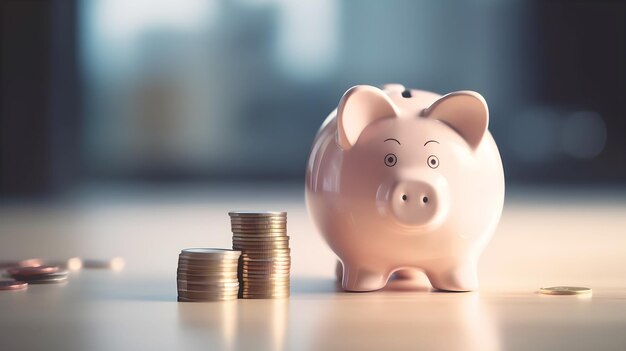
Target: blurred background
x,y
173,92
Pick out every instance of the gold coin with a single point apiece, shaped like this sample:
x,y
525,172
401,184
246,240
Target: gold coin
x,y
259,221
267,235
260,246
208,296
261,238
207,271
209,264
252,273
199,293
264,285
201,277
268,247
267,258
285,274
565,290
263,295
208,282
252,270
256,252
184,299
255,230
257,213
216,282
205,251
279,227
264,248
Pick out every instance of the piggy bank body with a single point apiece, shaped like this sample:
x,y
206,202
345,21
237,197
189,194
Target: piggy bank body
x,y
406,180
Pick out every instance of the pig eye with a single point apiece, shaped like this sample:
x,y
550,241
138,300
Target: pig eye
x,y
433,161
390,160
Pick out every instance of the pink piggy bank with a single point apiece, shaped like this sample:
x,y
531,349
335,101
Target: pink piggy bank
x,y
406,180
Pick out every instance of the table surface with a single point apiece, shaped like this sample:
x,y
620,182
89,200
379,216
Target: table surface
x,y
545,238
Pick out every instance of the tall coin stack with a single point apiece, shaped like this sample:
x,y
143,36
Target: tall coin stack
x,y
265,259
207,274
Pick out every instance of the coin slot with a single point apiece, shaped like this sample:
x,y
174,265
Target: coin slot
x,y
406,94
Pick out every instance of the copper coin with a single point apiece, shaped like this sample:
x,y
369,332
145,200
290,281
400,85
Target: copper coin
x,y
32,278
26,271
12,285
31,262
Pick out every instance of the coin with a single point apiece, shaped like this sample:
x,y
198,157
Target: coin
x,y
185,299
208,252
258,231
261,247
261,238
10,284
263,226
256,214
565,290
263,270
31,262
206,297
31,278
26,271
115,263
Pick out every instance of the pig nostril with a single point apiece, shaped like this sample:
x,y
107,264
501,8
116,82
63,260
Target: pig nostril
x,y
425,199
404,197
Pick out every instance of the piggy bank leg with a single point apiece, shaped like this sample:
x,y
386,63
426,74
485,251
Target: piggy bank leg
x,y
356,278
339,271
462,277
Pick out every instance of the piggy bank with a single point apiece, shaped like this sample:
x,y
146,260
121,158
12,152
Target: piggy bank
x,y
400,180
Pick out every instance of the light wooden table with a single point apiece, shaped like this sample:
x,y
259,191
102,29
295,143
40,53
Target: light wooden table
x,y
545,238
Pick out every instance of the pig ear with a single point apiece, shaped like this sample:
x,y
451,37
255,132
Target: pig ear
x,y
360,106
464,111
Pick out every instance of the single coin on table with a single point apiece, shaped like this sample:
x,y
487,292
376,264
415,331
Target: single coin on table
x,y
10,284
565,290
27,271
31,262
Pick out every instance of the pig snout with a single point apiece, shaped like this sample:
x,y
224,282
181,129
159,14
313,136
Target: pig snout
x,y
420,202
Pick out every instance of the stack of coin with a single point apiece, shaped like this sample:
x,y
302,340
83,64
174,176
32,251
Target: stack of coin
x,y
39,274
207,274
265,259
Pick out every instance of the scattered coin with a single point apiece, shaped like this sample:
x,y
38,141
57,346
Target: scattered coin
x,y
565,290
207,274
115,263
32,271
11,284
265,261
39,275
31,262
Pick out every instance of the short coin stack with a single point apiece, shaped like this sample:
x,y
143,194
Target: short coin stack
x,y
207,274
265,259
39,274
